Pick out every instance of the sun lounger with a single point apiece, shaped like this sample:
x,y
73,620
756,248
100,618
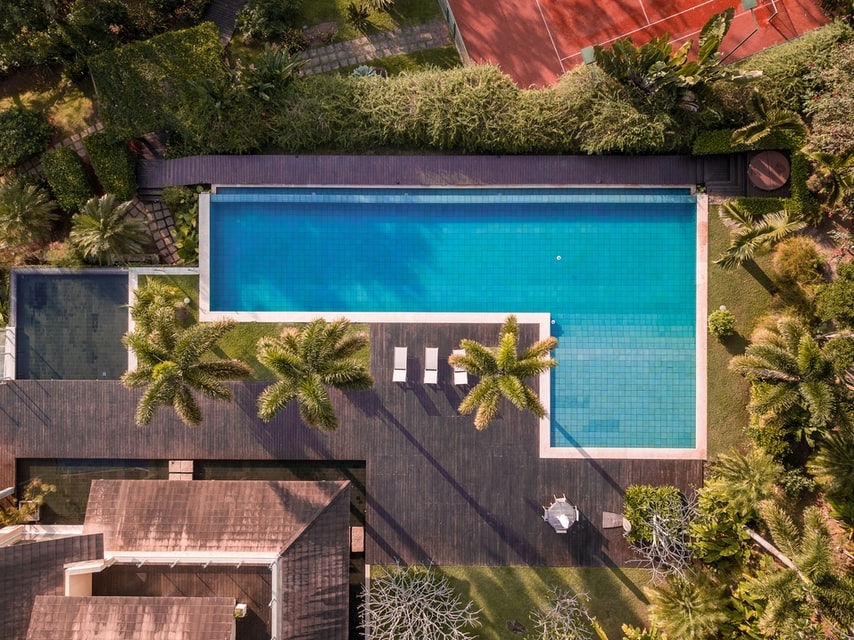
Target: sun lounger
x,y
431,365
399,364
461,376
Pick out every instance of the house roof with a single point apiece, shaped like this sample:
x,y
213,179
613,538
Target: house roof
x,y
29,570
205,516
117,618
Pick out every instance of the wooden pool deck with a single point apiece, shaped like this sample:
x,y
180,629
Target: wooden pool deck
x,y
437,489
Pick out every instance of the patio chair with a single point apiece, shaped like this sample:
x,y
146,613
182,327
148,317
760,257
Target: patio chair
x,y
399,364
461,376
431,365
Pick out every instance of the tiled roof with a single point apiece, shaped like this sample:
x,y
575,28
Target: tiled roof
x,y
29,570
222,516
117,618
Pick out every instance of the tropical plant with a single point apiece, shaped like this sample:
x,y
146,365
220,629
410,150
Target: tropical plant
x,y
742,481
32,498
23,133
798,260
416,603
268,19
502,372
721,323
170,364
832,466
308,360
183,203
272,71
690,607
792,379
833,175
768,120
754,232
357,16
104,232
27,212
666,78
835,301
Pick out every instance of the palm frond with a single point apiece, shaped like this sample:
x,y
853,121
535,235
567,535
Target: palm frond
x,y
315,407
820,400
187,407
785,533
275,398
488,409
483,389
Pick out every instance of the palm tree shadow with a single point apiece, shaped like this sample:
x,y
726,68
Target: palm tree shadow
x,y
760,276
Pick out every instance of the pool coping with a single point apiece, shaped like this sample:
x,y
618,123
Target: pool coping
x,y
543,320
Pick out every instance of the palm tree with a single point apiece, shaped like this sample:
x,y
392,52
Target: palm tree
x,y
742,481
752,233
502,373
767,121
307,360
833,469
690,607
170,366
26,213
104,232
789,373
834,174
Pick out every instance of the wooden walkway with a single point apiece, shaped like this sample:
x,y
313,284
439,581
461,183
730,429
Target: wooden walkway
x,y
437,490
720,174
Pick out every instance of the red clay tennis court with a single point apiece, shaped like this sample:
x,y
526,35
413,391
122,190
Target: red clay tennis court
x,y
536,41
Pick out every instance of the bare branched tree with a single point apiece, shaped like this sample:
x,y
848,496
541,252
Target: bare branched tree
x,y
415,603
564,617
666,548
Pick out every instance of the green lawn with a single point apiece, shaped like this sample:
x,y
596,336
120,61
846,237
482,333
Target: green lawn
x,y
404,13
511,593
70,107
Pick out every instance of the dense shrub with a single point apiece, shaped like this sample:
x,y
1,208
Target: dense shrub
x,y
67,178
721,323
835,301
642,501
183,203
797,259
791,72
23,133
718,141
159,73
269,19
113,163
831,125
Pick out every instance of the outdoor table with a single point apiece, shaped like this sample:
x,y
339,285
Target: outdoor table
x,y
768,170
561,515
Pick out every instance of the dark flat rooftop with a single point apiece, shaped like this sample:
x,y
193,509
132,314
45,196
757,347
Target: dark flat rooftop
x,y
437,490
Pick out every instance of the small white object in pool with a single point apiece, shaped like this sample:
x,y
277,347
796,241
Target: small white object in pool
x,y
558,258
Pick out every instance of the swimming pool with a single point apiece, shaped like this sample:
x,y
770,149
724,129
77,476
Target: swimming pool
x,y
615,270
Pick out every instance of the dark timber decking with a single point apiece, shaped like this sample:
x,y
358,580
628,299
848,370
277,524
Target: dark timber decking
x,y
437,489
720,174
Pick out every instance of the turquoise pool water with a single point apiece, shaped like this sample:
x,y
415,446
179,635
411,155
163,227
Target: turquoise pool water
x,y
614,268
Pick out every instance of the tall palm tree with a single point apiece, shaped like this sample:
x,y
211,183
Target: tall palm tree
x,y
170,366
832,466
308,360
768,120
742,481
752,233
834,173
26,213
502,372
690,607
790,373
104,231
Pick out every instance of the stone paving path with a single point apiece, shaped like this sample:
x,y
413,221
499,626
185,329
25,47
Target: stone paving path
x,y
381,45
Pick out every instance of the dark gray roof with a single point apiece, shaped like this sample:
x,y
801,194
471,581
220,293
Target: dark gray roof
x,y
198,515
37,568
126,618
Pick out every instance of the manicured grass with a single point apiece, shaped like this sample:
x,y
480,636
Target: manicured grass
x,y
242,342
441,58
404,13
510,593
745,292
69,107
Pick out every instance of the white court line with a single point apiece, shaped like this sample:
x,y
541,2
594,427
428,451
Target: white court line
x,y
643,8
549,31
652,24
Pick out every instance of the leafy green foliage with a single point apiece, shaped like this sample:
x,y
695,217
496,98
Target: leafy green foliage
x,y
67,178
308,360
830,109
752,233
833,469
158,73
721,323
183,203
692,607
502,372
835,301
23,133
27,213
104,232
31,498
642,502
357,16
113,163
269,19
798,260
768,120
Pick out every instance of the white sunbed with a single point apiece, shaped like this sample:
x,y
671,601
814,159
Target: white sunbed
x,y
431,365
399,364
461,376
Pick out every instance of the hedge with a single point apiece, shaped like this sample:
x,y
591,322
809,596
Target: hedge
x,y
719,141
23,133
113,163
67,178
141,86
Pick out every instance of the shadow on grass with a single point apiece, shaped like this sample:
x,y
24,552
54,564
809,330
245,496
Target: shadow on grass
x,y
734,344
760,276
